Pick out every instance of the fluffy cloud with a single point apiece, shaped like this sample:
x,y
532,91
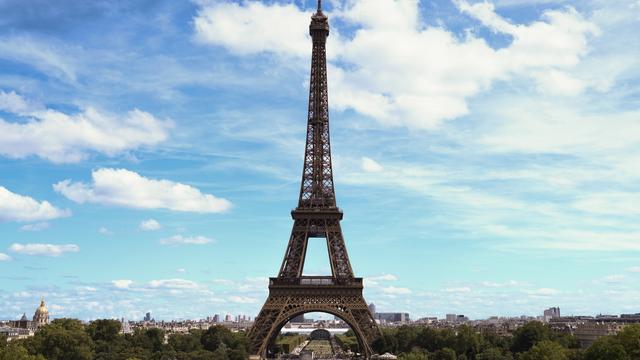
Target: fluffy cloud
x,y
392,290
43,249
370,165
122,284
126,188
13,103
458,290
35,227
4,257
430,77
104,231
186,240
150,225
178,284
542,292
250,28
384,277
68,138
242,299
14,207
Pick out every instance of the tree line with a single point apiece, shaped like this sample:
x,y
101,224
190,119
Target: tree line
x,y
532,341
69,339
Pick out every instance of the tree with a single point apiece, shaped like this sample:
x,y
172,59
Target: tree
x,y
406,336
415,354
214,337
545,350
15,351
186,342
606,348
629,338
444,354
467,341
105,330
493,354
528,335
63,339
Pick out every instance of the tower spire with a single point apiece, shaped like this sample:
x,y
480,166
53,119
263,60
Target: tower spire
x,y
319,6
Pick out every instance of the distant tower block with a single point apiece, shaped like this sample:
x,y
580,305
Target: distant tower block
x,y
317,216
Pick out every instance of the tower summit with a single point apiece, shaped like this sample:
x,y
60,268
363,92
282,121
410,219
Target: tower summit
x,y
316,216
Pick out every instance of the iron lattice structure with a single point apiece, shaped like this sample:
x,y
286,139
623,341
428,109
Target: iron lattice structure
x,y
317,216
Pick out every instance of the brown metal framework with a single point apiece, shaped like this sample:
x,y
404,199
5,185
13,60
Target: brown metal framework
x,y
317,216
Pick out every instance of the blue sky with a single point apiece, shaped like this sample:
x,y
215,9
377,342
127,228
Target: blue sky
x,y
486,154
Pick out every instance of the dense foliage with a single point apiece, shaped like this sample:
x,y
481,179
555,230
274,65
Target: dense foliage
x,y
533,341
67,339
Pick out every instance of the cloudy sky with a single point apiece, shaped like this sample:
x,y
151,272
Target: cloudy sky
x,y
487,154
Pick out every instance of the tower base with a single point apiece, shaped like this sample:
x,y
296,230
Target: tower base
x,y
313,294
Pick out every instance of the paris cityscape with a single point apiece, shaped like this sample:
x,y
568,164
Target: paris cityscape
x,y
482,177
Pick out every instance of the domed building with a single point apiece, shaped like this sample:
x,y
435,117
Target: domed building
x,y
41,317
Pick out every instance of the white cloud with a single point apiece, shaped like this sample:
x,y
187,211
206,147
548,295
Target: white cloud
x,y
242,299
35,227
610,203
250,28
43,249
178,284
634,269
4,257
104,231
614,279
430,77
542,292
510,283
64,138
459,290
371,166
129,189
14,207
45,56
392,290
181,270
13,103
383,277
122,284
186,240
556,82
150,225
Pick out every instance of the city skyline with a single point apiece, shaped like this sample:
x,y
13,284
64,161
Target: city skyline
x,y
487,168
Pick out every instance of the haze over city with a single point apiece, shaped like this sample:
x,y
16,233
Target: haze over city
x,y
151,153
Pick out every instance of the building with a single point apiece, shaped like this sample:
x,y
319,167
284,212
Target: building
x,y
551,313
451,318
298,319
393,317
372,310
23,323
147,317
589,332
41,316
228,318
216,318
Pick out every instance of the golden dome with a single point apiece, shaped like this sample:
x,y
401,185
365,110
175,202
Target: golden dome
x,y
42,309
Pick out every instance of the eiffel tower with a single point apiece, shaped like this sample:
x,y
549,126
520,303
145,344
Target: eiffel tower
x,y
317,216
